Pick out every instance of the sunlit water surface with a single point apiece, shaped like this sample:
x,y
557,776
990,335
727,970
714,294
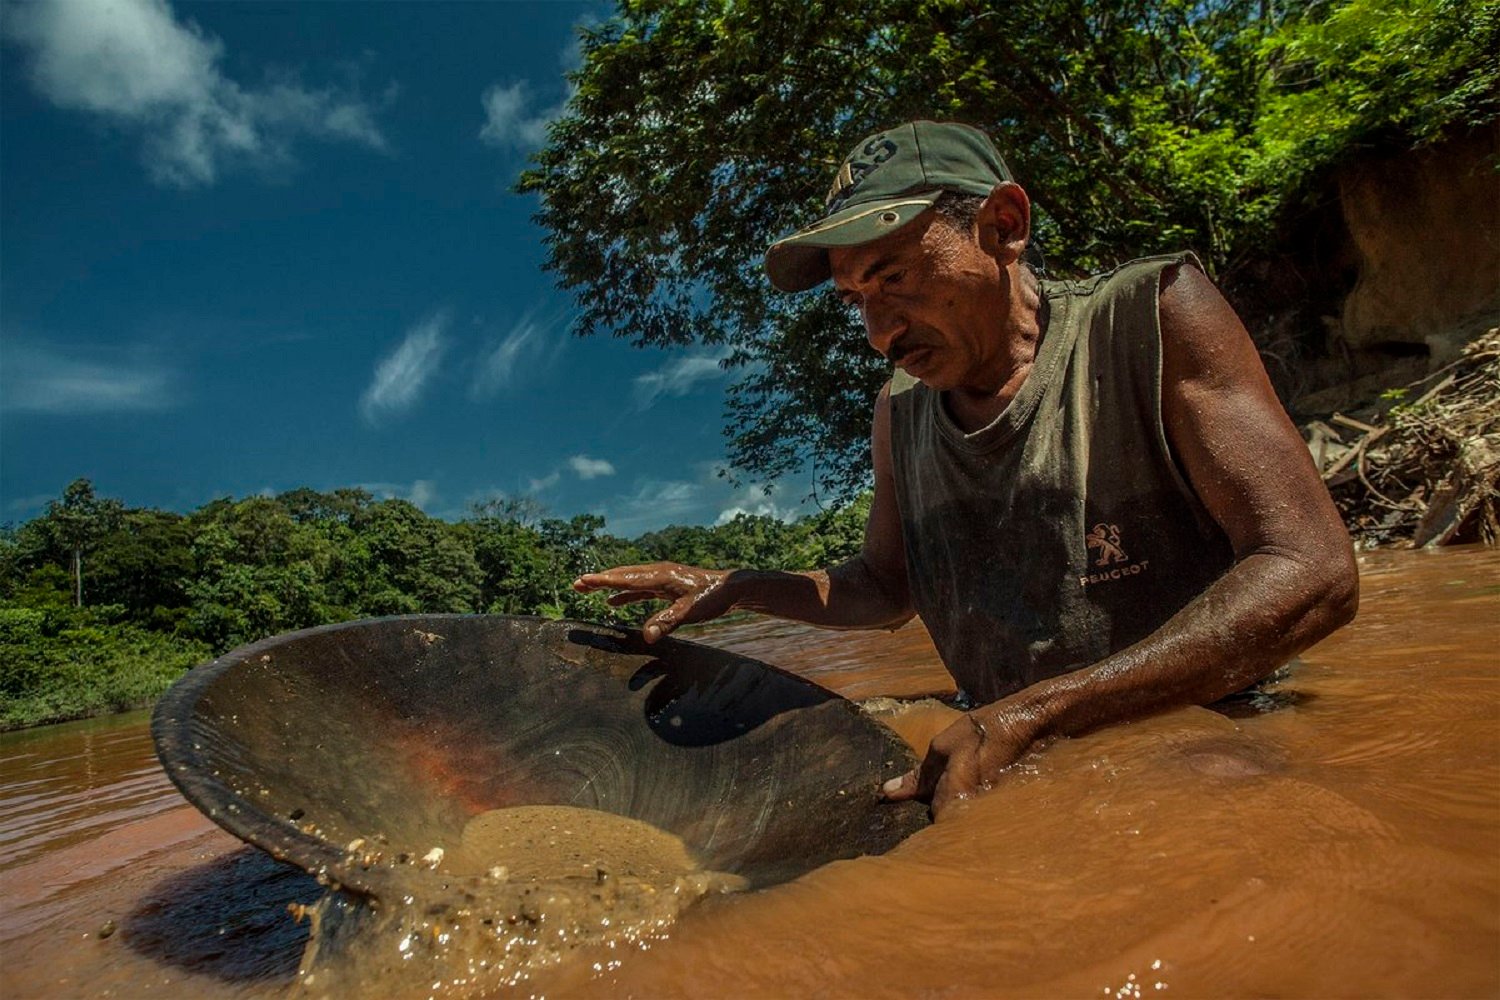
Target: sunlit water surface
x,y
1345,843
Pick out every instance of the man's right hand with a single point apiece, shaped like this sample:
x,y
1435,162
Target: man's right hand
x,y
696,594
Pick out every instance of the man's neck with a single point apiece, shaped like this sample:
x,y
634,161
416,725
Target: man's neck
x,y
1024,327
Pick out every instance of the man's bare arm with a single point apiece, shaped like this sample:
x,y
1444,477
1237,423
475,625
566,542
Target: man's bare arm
x,y
868,591
1293,581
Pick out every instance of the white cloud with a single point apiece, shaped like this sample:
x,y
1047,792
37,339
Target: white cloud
x,y
134,64
45,380
654,504
403,374
422,493
543,484
509,121
590,468
570,56
581,466
511,117
756,501
679,377
707,498
529,341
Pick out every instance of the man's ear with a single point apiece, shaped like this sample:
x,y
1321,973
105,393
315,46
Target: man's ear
x,y
1004,222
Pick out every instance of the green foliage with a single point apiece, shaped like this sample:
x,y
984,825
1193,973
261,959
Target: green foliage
x,y
44,586
62,663
257,572
71,528
700,130
1355,73
143,565
165,591
408,562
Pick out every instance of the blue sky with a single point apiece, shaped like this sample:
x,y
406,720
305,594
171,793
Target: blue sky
x,y
246,247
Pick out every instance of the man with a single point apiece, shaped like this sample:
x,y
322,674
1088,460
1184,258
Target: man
x,y
1088,490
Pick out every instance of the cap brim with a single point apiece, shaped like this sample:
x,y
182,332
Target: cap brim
x,y
798,262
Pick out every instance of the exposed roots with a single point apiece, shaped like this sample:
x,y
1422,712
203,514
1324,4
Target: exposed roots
x,y
1423,466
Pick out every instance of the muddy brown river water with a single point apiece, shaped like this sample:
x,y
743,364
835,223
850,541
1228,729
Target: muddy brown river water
x,y
1337,835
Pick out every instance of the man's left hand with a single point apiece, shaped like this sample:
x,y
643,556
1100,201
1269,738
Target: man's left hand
x,y
967,757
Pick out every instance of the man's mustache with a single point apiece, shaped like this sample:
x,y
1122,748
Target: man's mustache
x,y
908,344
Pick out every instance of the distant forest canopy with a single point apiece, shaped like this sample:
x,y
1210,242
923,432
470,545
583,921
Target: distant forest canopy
x,y
103,605
700,130
234,571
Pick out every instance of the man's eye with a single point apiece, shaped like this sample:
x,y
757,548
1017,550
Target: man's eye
x,y
894,278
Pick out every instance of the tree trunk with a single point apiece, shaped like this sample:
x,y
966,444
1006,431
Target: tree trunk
x,y
77,577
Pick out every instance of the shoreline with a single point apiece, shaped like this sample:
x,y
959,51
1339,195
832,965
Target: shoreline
x,y
738,618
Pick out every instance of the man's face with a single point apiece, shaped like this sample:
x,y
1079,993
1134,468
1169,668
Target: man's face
x,y
932,302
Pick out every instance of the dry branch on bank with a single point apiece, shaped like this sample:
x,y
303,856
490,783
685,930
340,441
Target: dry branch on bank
x,y
1421,466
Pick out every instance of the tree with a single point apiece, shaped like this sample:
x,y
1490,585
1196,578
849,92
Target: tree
x,y
73,524
574,547
342,506
508,549
700,130
179,588
411,562
258,572
145,565
692,544
834,535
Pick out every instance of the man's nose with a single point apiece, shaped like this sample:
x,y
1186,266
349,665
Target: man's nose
x,y
882,325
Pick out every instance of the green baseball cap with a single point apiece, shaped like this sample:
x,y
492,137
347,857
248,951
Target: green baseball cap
x,y
885,182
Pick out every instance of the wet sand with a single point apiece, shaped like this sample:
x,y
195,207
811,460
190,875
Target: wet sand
x,y
1345,844
539,842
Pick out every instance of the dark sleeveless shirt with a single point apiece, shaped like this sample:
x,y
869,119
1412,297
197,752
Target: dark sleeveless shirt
x,y
1063,531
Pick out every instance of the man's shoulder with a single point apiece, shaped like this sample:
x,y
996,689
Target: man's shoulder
x,y
1140,271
